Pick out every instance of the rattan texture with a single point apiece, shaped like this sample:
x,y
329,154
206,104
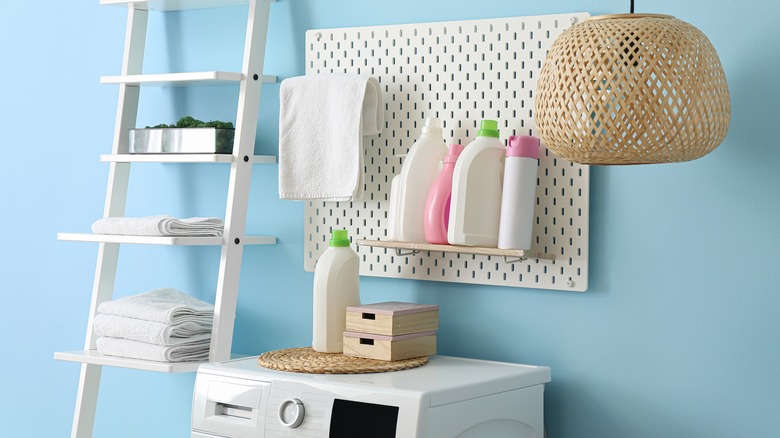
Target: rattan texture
x,y
306,360
632,89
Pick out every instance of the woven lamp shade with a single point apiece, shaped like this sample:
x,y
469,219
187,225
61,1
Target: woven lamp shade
x,y
632,89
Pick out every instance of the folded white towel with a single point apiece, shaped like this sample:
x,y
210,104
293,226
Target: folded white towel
x,y
322,121
151,332
193,351
161,225
166,305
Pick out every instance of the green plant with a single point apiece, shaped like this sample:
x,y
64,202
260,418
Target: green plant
x,y
190,122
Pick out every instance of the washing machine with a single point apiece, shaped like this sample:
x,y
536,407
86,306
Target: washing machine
x,y
446,398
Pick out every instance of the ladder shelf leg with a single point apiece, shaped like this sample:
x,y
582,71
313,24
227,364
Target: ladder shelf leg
x,y
116,195
240,175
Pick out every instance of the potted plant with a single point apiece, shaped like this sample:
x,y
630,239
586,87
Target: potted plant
x,y
187,136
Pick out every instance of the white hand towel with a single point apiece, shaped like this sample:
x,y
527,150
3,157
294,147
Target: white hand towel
x,y
322,121
159,226
193,351
166,305
151,332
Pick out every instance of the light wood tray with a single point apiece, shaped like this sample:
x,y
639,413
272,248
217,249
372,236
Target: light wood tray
x,y
306,360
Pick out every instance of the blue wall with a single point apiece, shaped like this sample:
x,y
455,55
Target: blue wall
x,y
676,337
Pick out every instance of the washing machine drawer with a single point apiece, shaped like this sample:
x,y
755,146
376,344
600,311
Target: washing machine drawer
x,y
228,407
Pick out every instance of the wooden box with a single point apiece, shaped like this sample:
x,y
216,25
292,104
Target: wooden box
x,y
392,318
383,347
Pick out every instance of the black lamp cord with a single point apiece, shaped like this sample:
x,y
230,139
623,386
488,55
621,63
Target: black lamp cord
x,y
632,6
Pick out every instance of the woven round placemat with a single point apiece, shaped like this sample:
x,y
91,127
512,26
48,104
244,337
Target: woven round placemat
x,y
306,360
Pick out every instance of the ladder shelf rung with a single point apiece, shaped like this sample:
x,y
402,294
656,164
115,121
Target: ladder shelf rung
x,y
95,358
174,5
202,78
181,158
160,240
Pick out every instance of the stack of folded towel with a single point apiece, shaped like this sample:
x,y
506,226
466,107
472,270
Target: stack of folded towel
x,y
164,325
159,226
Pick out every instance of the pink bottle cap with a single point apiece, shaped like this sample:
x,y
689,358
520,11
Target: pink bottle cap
x,y
523,146
454,153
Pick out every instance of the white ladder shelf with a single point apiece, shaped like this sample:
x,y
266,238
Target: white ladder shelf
x,y
249,80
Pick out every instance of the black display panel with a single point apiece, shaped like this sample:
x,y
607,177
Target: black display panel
x,y
351,419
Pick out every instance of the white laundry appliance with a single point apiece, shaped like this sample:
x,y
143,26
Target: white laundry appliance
x,y
446,398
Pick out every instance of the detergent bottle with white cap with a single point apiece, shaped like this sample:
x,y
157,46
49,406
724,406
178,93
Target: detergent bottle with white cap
x,y
410,190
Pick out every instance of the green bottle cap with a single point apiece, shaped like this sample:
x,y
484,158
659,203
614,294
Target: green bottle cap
x,y
339,238
488,128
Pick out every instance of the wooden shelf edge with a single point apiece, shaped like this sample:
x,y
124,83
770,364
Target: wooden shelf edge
x,y
416,247
95,358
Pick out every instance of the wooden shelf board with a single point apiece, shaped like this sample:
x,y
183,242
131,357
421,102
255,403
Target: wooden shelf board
x,y
181,158
95,358
181,79
519,253
159,240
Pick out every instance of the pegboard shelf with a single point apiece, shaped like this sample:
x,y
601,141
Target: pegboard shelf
x,y
459,72
511,255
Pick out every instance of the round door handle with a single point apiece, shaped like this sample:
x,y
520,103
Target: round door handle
x,y
291,413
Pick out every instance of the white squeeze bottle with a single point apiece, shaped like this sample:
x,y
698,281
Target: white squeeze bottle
x,y
519,195
336,287
420,168
392,211
476,190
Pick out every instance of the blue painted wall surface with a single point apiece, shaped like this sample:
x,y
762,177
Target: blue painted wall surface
x,y
676,337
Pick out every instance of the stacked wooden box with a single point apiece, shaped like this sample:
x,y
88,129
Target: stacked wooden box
x,y
391,330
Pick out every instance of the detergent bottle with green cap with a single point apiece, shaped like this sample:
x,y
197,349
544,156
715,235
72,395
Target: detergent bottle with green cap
x,y
336,287
477,181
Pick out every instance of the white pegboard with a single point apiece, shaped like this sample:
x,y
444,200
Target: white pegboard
x,y
460,72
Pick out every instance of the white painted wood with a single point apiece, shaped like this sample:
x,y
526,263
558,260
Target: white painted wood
x,y
92,357
203,78
116,195
175,5
182,158
240,174
460,72
250,80
160,240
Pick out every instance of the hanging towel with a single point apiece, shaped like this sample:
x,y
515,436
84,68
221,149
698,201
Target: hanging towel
x,y
159,226
322,121
192,351
166,305
151,332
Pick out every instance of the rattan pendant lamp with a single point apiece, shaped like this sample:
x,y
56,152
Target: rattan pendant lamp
x,y
632,89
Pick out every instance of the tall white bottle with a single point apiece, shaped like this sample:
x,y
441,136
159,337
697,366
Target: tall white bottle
x,y
393,209
418,172
476,190
336,287
519,194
